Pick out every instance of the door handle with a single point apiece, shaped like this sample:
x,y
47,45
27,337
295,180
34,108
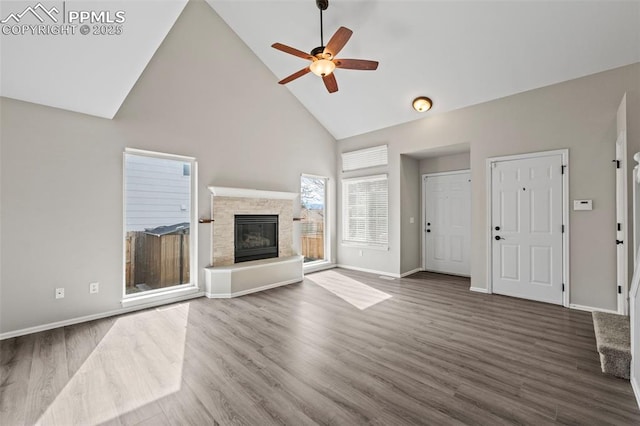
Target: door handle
x,y
619,242
428,230
498,238
497,228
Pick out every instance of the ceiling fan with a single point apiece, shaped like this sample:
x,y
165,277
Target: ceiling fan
x,y
323,58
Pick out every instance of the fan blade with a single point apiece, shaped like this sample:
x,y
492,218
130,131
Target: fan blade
x,y
330,83
356,64
337,42
295,75
292,51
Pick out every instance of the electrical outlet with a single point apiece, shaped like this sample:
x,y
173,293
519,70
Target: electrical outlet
x,y
94,287
59,293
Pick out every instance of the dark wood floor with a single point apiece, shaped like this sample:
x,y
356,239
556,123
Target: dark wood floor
x,y
433,353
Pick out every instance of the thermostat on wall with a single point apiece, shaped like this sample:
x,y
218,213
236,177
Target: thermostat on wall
x,y
583,204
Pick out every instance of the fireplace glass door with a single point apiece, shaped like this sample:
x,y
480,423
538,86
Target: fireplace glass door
x,y
256,237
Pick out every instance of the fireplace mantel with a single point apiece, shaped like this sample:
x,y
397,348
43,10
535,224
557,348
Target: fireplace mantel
x,y
221,191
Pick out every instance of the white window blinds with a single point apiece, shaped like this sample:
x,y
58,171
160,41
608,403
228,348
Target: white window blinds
x,y
365,211
370,157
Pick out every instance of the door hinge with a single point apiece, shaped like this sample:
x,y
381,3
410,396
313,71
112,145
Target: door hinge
x,y
562,169
619,227
619,289
563,287
563,229
617,163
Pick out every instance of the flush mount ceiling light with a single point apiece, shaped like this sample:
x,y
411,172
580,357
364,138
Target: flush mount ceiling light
x,y
422,104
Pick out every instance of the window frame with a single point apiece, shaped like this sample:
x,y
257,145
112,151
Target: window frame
x,y
346,217
325,224
177,291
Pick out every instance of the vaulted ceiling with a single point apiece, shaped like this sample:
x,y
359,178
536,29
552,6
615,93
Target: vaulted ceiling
x,y
458,53
91,74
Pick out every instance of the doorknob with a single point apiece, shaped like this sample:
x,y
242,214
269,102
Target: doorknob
x,y
619,242
498,238
497,228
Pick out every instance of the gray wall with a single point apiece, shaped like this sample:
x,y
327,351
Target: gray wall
x,y
579,115
204,94
445,163
410,194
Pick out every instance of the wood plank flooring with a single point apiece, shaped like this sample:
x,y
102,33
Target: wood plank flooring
x,y
432,353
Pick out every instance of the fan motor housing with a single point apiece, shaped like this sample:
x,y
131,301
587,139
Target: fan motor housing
x,y
322,4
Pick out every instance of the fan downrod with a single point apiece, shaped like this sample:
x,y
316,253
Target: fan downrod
x,y
322,4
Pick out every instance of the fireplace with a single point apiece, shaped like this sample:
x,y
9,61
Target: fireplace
x,y
256,237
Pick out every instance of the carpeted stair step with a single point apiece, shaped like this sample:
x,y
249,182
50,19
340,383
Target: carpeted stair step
x,y
614,343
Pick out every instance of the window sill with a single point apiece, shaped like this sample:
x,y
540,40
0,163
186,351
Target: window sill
x,y
168,296
318,265
364,246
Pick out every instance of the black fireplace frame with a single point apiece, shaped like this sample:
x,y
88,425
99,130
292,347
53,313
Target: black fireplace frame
x,y
248,254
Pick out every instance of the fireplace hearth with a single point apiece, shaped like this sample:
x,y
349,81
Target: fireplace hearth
x,y
256,237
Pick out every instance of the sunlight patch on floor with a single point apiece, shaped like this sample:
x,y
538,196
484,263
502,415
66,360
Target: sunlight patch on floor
x,y
138,361
352,291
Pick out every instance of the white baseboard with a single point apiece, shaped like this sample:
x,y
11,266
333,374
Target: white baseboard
x,y
370,271
77,320
251,290
479,290
636,389
406,274
591,309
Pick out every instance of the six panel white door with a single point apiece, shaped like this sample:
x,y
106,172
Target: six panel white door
x,y
448,223
527,228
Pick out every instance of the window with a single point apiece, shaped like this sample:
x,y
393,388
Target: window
x,y
313,196
365,211
159,219
363,158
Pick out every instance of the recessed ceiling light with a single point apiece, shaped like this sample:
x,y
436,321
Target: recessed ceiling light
x,y
422,104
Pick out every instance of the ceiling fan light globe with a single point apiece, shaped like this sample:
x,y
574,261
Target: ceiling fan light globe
x,y
322,67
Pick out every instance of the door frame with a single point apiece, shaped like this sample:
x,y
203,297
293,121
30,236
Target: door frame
x,y
622,273
622,210
564,153
423,212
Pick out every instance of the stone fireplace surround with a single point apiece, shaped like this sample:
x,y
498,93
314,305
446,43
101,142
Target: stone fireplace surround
x,y
225,278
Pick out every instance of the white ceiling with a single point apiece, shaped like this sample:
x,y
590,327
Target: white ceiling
x,y
458,53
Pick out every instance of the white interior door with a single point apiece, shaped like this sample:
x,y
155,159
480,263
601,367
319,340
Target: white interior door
x,y
447,199
526,221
